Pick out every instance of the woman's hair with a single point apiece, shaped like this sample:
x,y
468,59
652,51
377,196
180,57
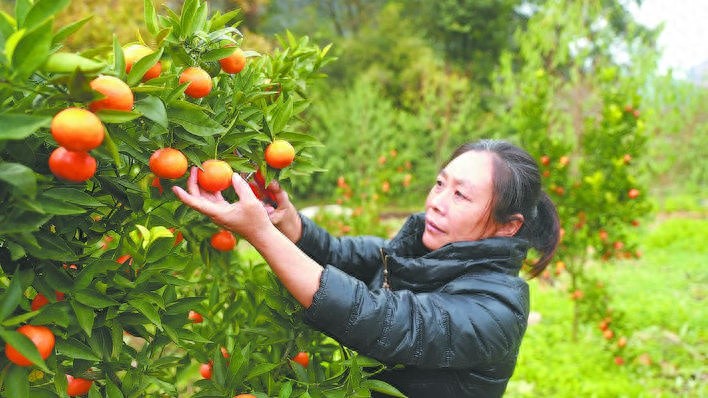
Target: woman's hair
x,y
517,190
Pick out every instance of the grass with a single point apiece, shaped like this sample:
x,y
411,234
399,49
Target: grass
x,y
662,297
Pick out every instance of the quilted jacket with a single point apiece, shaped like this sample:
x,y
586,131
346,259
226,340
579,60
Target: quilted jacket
x,y
452,319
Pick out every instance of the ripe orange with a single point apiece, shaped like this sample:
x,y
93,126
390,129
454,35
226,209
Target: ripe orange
x,y
41,300
205,370
199,82
244,396
118,95
302,358
279,154
133,53
234,63
72,166
223,241
214,175
41,336
77,386
77,129
633,193
168,163
195,317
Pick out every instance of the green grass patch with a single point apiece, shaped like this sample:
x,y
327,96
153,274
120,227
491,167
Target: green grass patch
x,y
662,296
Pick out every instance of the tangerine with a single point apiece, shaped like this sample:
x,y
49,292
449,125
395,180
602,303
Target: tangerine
x,y
72,166
223,241
76,386
168,163
77,129
41,336
214,175
133,53
118,95
234,63
279,154
199,82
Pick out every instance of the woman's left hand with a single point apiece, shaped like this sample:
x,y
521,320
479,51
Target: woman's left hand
x,y
246,217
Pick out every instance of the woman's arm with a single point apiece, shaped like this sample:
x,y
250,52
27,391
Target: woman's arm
x,y
249,219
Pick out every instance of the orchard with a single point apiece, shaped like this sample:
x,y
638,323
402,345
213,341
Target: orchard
x,y
109,286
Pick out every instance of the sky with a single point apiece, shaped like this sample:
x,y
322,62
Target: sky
x,y
684,40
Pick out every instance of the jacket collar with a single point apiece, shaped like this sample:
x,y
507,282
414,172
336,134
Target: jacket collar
x,y
412,265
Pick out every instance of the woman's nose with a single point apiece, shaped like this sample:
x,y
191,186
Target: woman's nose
x,y
438,200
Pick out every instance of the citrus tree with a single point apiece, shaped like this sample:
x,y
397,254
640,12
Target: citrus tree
x,y
108,285
577,110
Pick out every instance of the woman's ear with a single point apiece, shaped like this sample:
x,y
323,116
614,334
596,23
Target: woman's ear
x,y
511,227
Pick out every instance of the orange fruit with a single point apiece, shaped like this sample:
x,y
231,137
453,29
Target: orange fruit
x,y
133,53
195,317
118,95
41,300
302,358
279,154
168,163
205,370
41,336
76,386
77,129
234,63
223,241
214,175
633,193
244,396
72,166
199,82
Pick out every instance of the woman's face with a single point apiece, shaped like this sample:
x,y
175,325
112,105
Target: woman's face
x,y
459,204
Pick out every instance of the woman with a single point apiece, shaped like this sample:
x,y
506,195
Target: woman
x,y
443,298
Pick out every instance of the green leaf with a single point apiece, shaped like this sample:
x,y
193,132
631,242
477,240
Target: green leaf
x,y
42,10
68,30
72,195
154,109
286,390
19,176
261,368
22,8
93,298
118,58
141,66
74,348
382,387
63,62
146,308
51,247
217,54
117,117
17,126
11,297
17,382
193,120
281,115
32,49
58,207
150,17
85,316
187,18
112,390
24,346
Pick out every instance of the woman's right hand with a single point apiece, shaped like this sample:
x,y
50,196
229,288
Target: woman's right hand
x,y
285,216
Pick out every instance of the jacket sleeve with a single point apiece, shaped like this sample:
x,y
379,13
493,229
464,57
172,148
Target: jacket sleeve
x,y
427,330
358,256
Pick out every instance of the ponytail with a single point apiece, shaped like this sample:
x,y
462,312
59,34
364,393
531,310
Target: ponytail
x,y
542,232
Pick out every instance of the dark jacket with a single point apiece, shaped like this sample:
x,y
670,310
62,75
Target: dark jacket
x,y
454,317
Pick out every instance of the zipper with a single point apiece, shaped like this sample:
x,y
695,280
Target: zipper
x,y
384,258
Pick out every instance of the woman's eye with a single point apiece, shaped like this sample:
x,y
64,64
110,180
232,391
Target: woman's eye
x,y
461,195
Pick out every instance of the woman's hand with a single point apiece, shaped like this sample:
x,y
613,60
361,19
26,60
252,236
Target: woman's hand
x,y
284,216
247,217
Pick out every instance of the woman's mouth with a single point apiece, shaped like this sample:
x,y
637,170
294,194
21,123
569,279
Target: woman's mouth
x,y
432,227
